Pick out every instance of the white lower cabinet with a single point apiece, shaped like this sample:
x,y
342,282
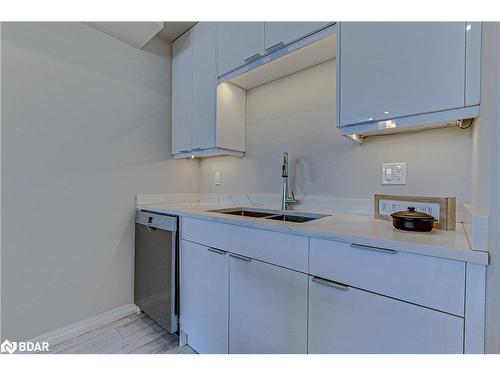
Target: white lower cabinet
x,y
422,280
263,292
267,308
204,297
349,320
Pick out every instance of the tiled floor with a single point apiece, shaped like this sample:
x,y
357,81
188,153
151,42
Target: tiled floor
x,y
134,334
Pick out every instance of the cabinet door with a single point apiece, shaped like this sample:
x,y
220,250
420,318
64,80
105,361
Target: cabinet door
x,y
267,308
349,320
394,69
286,32
204,85
237,43
204,297
182,93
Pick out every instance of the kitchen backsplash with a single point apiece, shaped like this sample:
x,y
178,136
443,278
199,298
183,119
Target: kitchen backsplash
x,y
297,114
319,204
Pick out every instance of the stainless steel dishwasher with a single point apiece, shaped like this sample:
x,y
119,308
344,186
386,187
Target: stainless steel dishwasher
x,y
156,268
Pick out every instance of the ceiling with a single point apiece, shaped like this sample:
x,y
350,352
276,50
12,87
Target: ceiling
x,y
138,34
173,30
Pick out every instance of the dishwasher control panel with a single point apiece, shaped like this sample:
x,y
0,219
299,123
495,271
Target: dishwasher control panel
x,y
155,220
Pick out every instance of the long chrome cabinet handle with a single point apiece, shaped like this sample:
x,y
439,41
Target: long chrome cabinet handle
x,y
213,250
240,257
366,120
275,47
329,283
373,248
253,58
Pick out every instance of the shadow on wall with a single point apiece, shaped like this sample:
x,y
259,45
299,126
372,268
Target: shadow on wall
x,y
297,114
85,126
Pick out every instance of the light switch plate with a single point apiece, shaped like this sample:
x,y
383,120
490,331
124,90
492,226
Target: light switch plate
x,y
394,173
218,178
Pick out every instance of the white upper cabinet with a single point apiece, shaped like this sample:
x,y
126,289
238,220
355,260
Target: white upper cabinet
x,y
238,43
182,94
204,85
397,69
393,70
203,122
278,33
242,43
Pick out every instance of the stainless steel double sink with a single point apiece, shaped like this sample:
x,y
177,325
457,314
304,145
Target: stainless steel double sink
x,y
295,217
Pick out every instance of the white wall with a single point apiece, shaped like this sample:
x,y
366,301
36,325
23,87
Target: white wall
x,y
85,126
0,186
486,178
297,114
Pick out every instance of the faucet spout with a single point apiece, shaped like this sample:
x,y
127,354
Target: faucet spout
x,y
284,167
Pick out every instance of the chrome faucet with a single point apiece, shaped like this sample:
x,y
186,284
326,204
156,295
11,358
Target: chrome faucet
x,y
287,202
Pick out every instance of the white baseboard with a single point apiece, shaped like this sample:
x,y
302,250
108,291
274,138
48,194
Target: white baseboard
x,y
76,329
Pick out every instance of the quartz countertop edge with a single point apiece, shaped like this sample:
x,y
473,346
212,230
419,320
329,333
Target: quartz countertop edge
x,y
345,227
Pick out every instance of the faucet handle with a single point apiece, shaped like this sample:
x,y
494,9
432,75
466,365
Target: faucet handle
x,y
292,201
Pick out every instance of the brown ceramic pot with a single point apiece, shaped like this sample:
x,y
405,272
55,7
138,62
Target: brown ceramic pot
x,y
412,220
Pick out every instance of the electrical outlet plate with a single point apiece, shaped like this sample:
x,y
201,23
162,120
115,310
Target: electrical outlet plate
x,y
394,173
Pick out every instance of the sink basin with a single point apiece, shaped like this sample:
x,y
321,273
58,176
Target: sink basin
x,y
244,212
294,217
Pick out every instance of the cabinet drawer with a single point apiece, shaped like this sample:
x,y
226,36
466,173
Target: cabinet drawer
x,y
428,281
267,308
349,320
204,298
285,250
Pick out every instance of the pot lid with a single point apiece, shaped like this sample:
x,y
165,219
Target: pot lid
x,y
411,214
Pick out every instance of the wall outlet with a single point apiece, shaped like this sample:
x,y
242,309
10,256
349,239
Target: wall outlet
x,y
394,173
218,178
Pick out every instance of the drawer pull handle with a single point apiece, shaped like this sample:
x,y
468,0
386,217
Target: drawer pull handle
x,y
245,259
217,251
373,248
331,284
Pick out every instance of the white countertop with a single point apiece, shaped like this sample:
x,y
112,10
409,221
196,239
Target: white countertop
x,y
361,229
